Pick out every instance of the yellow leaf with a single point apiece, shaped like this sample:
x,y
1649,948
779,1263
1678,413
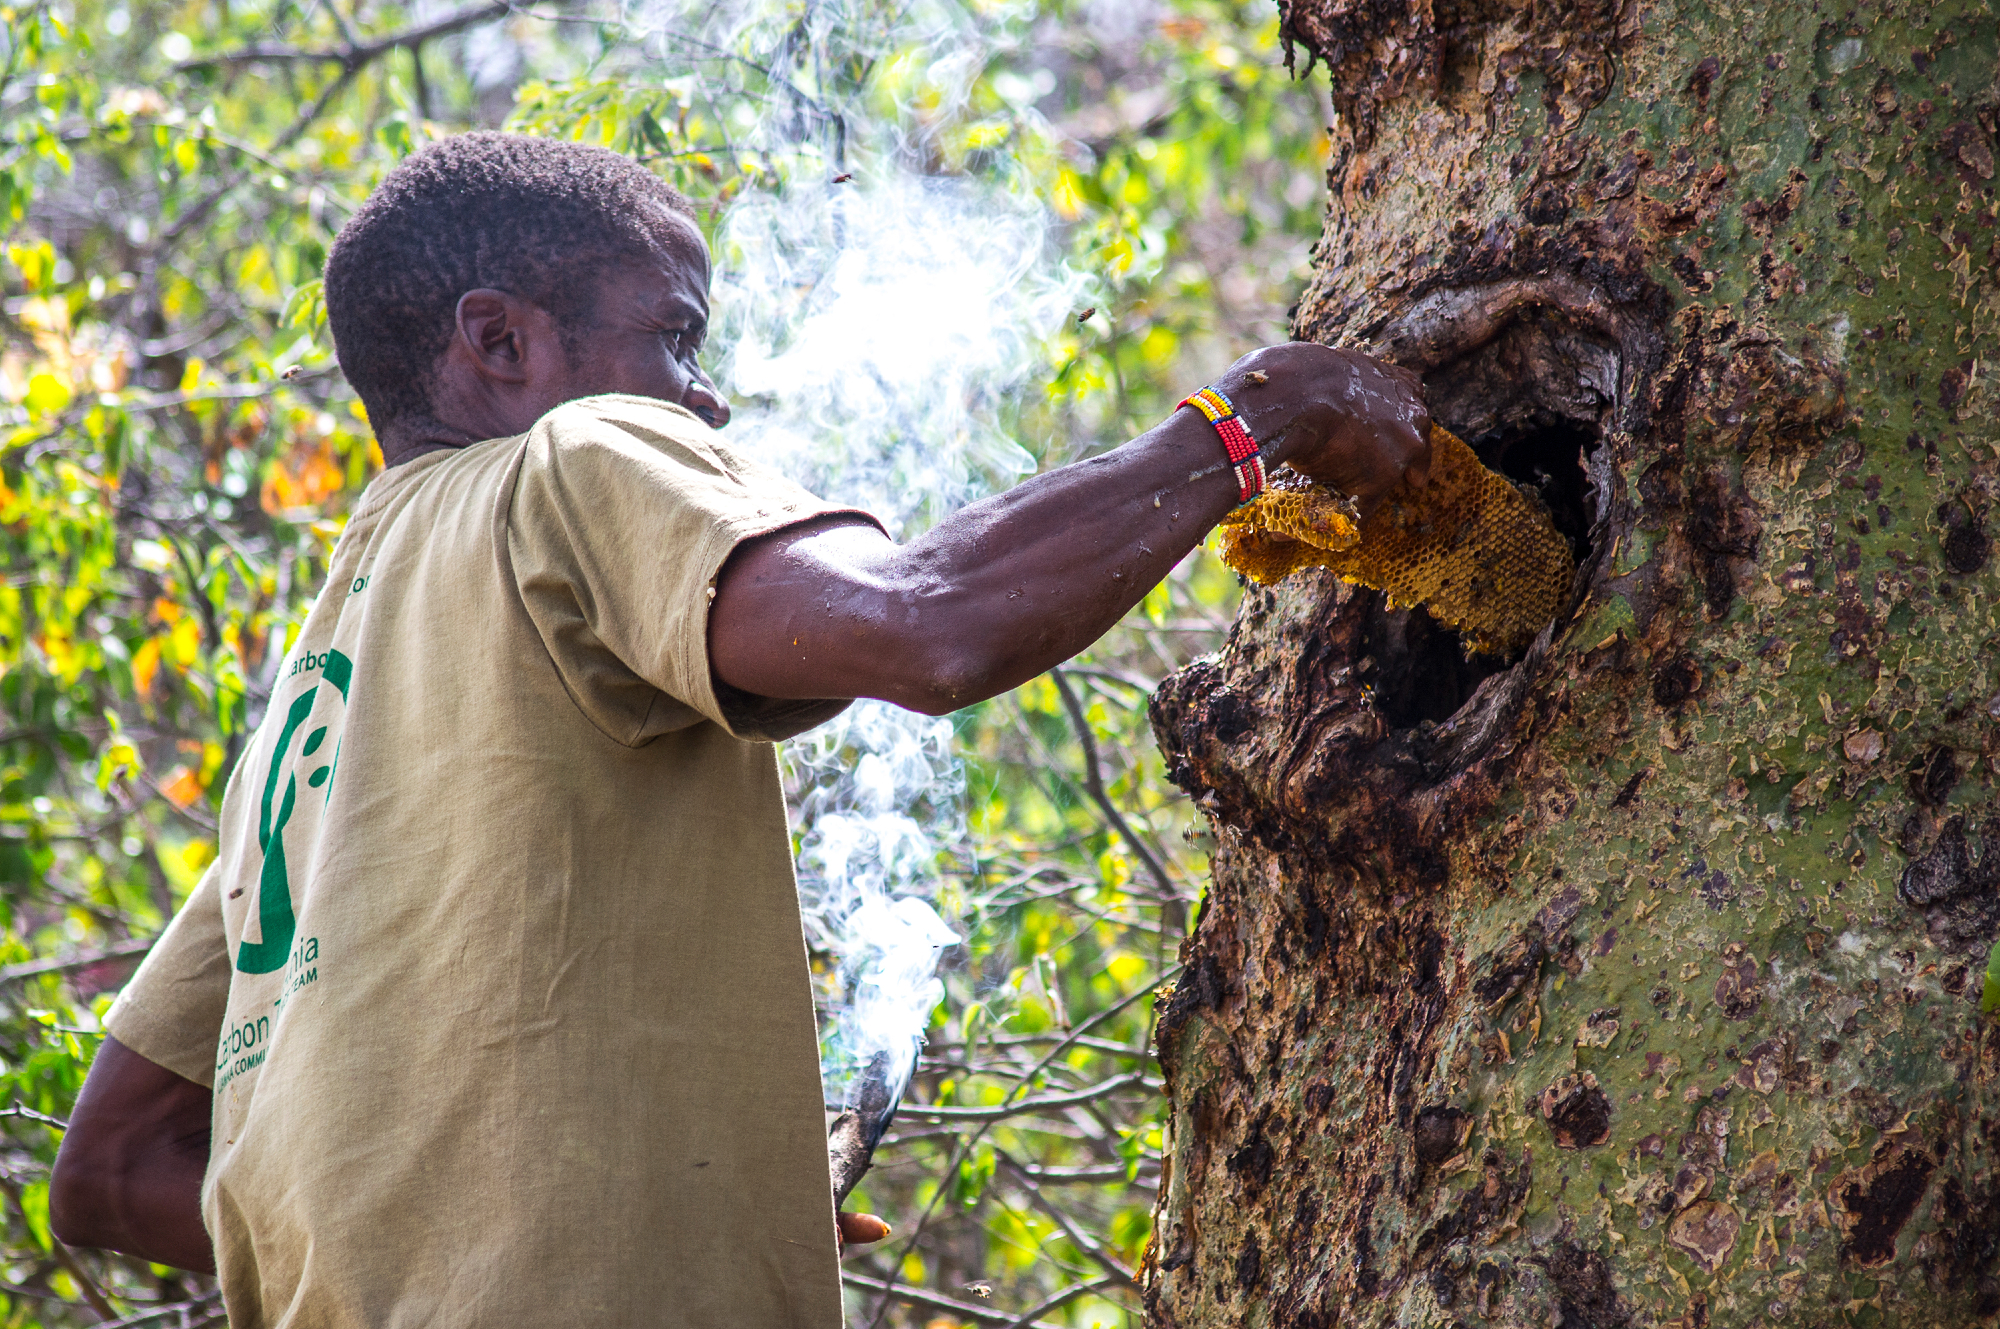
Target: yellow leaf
x,y
1125,967
198,854
186,641
145,664
182,787
47,394
63,656
118,760
37,262
212,755
302,479
1067,202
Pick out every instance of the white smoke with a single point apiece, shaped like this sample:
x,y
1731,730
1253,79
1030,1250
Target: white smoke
x,y
870,333
879,797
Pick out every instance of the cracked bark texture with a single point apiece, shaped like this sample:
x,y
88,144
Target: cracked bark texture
x,y
1634,982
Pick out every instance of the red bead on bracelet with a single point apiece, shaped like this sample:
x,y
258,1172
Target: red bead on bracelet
x,y
1236,441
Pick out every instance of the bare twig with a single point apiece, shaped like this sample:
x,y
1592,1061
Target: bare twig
x,y
201,821
1025,1106
1093,784
966,1142
163,401
345,24
61,964
1082,1240
207,203
353,54
963,1309
204,1306
1089,1176
30,1114
92,1293
1061,1298
352,60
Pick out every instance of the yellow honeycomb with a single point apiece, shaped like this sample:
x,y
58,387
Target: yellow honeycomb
x,y
1479,554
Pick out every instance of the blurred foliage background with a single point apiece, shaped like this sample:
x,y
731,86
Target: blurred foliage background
x,y
178,451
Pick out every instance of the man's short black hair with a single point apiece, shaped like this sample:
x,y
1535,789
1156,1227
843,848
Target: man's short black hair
x,y
537,218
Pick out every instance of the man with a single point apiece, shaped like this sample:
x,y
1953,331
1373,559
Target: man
x,y
494,1007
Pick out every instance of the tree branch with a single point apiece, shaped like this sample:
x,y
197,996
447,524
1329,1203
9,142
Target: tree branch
x,y
1061,1298
1077,1236
29,1114
353,55
352,60
1001,1111
965,1143
115,951
965,1310
207,1306
92,1293
1093,783
1096,1174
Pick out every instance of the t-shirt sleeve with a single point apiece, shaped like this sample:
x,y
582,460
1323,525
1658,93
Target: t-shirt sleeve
x,y
624,511
171,1012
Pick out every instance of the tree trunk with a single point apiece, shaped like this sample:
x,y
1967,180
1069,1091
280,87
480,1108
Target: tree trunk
x,y
1635,981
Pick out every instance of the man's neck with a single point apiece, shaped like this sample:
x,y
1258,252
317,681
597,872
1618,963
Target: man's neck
x,y
407,440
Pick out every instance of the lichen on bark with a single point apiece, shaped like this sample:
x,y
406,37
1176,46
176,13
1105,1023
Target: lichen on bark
x,y
1633,981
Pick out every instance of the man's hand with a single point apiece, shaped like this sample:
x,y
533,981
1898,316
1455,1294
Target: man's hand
x,y
1343,418
1008,587
860,1229
128,1176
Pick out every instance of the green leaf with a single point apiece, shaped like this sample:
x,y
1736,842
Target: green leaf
x,y
974,1172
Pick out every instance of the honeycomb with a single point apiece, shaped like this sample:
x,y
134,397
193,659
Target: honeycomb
x,y
1479,554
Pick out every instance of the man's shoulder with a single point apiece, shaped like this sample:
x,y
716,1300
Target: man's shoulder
x,y
617,440
614,418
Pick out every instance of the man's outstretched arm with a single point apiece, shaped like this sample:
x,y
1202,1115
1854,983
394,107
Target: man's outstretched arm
x,y
128,1176
1013,585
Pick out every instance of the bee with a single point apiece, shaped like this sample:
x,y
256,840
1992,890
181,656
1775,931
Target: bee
x,y
1084,317
843,177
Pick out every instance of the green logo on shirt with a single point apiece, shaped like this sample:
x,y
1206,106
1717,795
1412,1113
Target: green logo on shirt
x,y
276,921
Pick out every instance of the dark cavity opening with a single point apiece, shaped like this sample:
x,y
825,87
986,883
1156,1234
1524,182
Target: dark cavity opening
x,y
1419,670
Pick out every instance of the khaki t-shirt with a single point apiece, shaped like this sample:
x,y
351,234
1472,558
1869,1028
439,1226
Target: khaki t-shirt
x,y
499,977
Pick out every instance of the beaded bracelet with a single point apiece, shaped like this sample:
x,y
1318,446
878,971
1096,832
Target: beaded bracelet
x,y
1236,441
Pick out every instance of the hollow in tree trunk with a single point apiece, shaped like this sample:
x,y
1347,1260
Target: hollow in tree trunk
x,y
1634,981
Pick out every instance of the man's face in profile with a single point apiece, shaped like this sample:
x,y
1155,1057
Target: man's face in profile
x,y
649,321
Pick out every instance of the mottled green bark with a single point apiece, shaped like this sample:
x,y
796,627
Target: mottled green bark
x,y
1638,986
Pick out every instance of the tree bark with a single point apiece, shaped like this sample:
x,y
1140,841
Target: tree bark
x,y
1635,981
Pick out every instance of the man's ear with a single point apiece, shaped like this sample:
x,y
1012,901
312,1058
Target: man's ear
x,y
495,330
